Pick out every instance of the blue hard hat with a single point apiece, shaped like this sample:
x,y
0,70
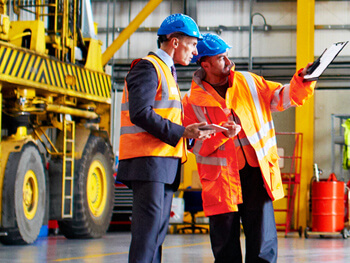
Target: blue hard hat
x,y
179,23
211,45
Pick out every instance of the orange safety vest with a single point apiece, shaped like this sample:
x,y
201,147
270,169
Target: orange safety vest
x,y
136,142
216,157
253,98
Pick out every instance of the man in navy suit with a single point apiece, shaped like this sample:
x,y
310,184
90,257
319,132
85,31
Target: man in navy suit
x,y
152,139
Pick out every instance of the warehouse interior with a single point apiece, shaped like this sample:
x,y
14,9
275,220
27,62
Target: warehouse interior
x,y
272,38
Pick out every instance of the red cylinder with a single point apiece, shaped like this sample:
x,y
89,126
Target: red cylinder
x,y
327,206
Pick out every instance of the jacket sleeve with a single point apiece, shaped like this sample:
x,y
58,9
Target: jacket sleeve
x,y
300,91
282,97
142,83
208,146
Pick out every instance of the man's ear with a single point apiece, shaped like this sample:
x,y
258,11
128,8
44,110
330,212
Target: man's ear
x,y
175,42
205,64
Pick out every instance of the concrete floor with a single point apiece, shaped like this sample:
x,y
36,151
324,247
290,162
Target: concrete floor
x,y
178,248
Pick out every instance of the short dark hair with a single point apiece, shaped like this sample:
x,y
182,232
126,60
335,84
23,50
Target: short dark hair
x,y
164,38
201,59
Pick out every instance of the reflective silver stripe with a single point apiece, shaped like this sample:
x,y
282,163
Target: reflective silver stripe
x,y
199,113
159,104
125,106
164,103
131,130
222,147
264,151
211,160
286,103
165,89
197,147
244,141
254,94
165,92
265,127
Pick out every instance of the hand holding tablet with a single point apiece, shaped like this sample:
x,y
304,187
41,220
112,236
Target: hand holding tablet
x,y
213,127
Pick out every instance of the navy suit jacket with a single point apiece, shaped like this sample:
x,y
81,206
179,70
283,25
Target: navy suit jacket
x,y
142,83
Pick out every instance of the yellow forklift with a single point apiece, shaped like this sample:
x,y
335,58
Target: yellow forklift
x,y
56,157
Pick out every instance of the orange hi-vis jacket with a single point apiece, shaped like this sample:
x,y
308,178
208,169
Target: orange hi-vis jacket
x,y
136,142
253,99
216,157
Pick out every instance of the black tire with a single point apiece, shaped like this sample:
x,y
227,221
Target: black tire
x,y
23,197
93,192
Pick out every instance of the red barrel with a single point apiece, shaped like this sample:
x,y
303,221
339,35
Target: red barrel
x,y
328,205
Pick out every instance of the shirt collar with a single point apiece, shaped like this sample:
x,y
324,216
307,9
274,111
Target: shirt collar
x,y
165,57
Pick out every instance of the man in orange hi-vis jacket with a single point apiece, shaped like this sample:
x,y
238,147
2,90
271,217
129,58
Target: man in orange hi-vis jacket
x,y
238,168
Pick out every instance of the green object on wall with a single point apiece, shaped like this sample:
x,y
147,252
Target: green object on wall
x,y
346,152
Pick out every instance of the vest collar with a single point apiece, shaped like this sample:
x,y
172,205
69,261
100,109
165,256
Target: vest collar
x,y
201,93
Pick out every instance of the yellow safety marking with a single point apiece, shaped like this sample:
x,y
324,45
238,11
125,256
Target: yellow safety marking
x,y
98,90
56,74
52,79
106,85
86,82
69,72
42,71
25,62
64,73
60,70
29,67
75,73
91,82
21,66
95,81
12,59
17,63
37,65
123,253
80,80
100,85
4,55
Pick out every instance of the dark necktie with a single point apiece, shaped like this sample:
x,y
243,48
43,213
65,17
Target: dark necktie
x,y
173,72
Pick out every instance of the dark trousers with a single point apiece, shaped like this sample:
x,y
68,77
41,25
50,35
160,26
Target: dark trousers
x,y
150,220
258,220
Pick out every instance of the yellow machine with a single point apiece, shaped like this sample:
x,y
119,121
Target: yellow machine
x,y
56,158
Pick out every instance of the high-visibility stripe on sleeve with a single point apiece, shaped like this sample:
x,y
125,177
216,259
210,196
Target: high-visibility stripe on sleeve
x,y
286,102
159,104
208,160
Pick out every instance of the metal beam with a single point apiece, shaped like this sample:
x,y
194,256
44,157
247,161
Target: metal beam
x,y
217,29
304,116
129,30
